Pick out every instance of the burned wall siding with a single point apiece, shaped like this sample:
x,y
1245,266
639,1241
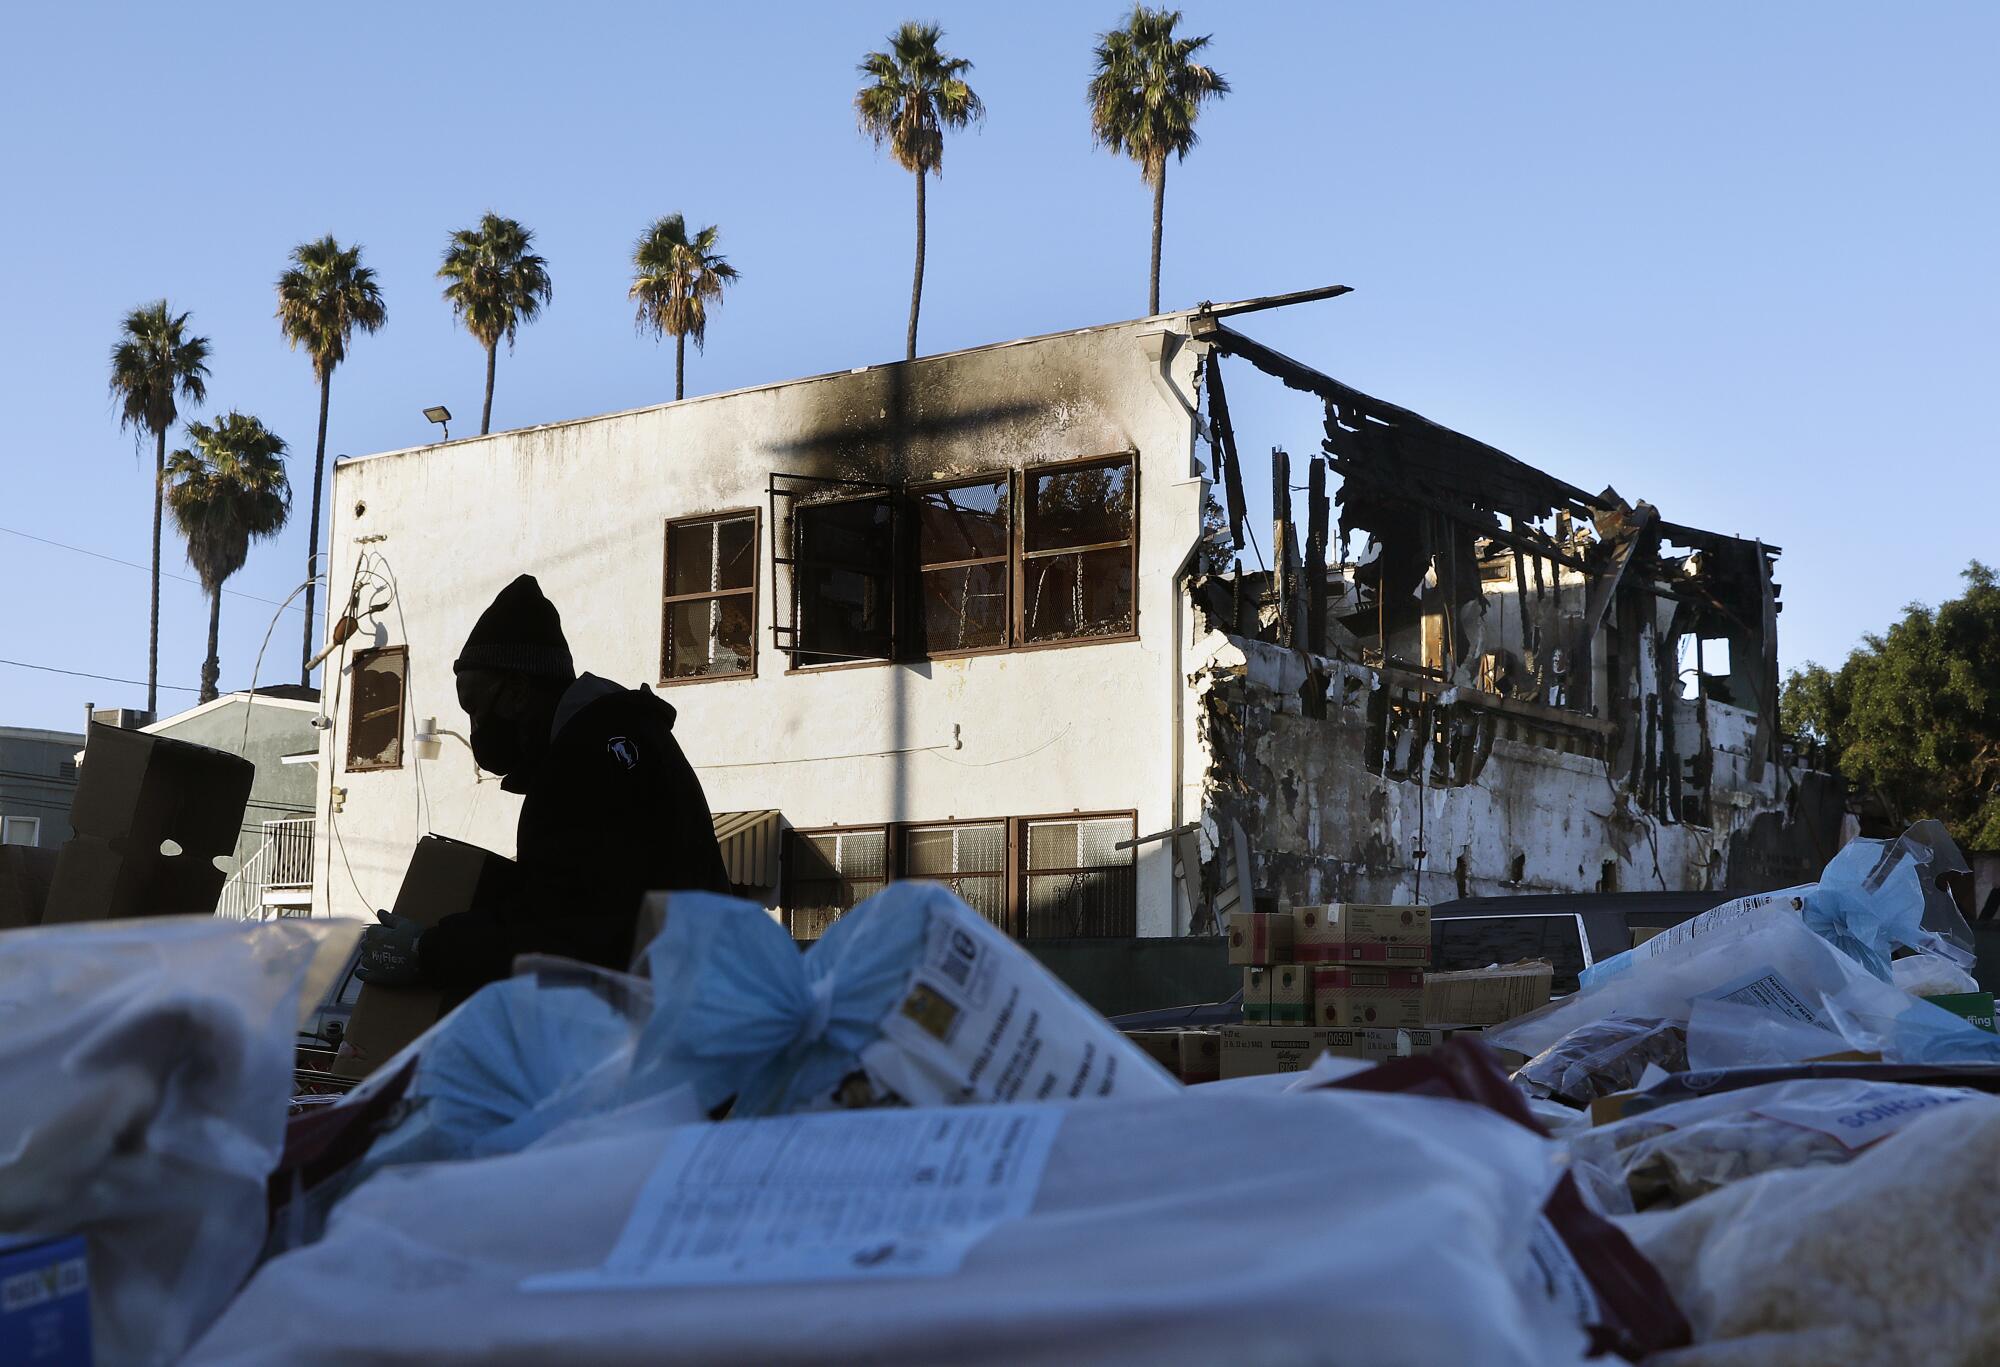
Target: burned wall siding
x,y
1407,791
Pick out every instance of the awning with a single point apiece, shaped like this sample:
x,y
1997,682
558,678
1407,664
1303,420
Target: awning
x,y
749,843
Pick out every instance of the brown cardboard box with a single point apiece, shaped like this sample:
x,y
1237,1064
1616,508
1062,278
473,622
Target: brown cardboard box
x,y
1201,1056
1253,1050
1487,996
1162,1046
1352,996
152,815
445,877
1347,932
25,875
1278,994
1260,937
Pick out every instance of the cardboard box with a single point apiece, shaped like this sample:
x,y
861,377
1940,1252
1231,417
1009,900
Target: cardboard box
x,y
445,877
25,875
1201,1056
44,1302
1976,1007
1260,937
1487,996
1253,1050
152,815
1162,1046
1279,994
1352,996
1347,932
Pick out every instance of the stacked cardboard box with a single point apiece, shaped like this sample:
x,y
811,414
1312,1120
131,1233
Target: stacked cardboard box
x,y
1190,1055
1344,977
1487,996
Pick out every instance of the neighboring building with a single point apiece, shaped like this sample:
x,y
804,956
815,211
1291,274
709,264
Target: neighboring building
x,y
37,781
273,729
968,618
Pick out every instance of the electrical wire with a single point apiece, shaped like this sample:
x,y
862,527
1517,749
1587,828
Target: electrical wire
x,y
105,678
130,564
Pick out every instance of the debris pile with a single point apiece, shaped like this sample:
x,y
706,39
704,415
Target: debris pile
x,y
1754,1137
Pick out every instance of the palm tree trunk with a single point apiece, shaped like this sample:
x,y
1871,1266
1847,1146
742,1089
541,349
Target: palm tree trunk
x,y
1159,220
312,531
486,413
680,363
211,671
917,284
153,641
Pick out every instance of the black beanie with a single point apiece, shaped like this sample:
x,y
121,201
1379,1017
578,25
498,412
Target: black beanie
x,y
520,633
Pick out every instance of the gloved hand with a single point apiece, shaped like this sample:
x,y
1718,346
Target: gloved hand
x,y
389,952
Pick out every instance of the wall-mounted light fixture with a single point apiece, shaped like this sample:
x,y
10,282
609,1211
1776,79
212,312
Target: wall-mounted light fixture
x,y
440,415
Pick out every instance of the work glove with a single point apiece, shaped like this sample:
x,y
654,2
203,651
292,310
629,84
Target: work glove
x,y
389,952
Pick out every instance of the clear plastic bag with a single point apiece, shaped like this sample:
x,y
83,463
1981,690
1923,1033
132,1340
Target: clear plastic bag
x,y
1603,1057
146,1066
1675,1153
1931,975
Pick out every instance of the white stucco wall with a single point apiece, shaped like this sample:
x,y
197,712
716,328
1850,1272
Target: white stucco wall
x,y
583,506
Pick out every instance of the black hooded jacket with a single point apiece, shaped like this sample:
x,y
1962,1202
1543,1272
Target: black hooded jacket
x,y
614,811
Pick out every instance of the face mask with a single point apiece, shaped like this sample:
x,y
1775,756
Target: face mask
x,y
497,748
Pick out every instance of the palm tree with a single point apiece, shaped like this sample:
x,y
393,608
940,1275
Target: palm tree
x,y
673,279
914,93
154,365
496,284
1144,100
226,488
323,296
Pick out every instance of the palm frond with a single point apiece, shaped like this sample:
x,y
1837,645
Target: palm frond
x,y
1148,91
915,91
225,489
494,283
674,275
323,296
155,364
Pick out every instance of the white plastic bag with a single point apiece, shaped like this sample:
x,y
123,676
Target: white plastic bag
x,y
1931,975
1889,1259
912,989
1384,1229
145,1067
1763,958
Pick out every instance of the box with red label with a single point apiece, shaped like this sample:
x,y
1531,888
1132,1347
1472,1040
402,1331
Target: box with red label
x,y
1356,995
1281,994
1354,932
1260,937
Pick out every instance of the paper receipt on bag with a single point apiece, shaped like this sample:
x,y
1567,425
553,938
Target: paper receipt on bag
x,y
1872,1114
839,1196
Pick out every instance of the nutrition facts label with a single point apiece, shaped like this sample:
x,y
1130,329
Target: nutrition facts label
x,y
836,1196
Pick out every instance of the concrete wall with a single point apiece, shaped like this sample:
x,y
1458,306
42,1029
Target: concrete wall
x,y
277,727
38,779
434,532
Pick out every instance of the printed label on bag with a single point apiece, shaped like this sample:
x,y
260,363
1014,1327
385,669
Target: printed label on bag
x,y
983,1022
1875,1113
842,1196
1766,990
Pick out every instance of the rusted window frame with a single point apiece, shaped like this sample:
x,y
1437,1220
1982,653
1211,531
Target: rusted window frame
x,y
787,555
1004,873
918,568
1019,851
790,880
354,719
1022,555
669,600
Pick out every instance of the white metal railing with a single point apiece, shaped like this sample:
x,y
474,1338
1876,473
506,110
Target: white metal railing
x,y
282,863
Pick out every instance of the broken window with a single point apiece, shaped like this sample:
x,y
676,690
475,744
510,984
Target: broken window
x,y
1077,882
1078,551
963,535
709,627
375,714
844,579
971,860
830,872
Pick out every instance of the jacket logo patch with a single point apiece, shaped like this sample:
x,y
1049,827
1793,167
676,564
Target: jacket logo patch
x,y
624,751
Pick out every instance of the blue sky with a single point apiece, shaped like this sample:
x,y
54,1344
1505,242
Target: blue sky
x,y
1737,260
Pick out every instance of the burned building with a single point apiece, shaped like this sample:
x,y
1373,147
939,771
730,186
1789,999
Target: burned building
x,y
978,617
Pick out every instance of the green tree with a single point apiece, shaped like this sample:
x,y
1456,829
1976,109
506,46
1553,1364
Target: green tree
x,y
914,93
1913,716
673,279
494,284
226,488
155,364
1144,99
323,296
